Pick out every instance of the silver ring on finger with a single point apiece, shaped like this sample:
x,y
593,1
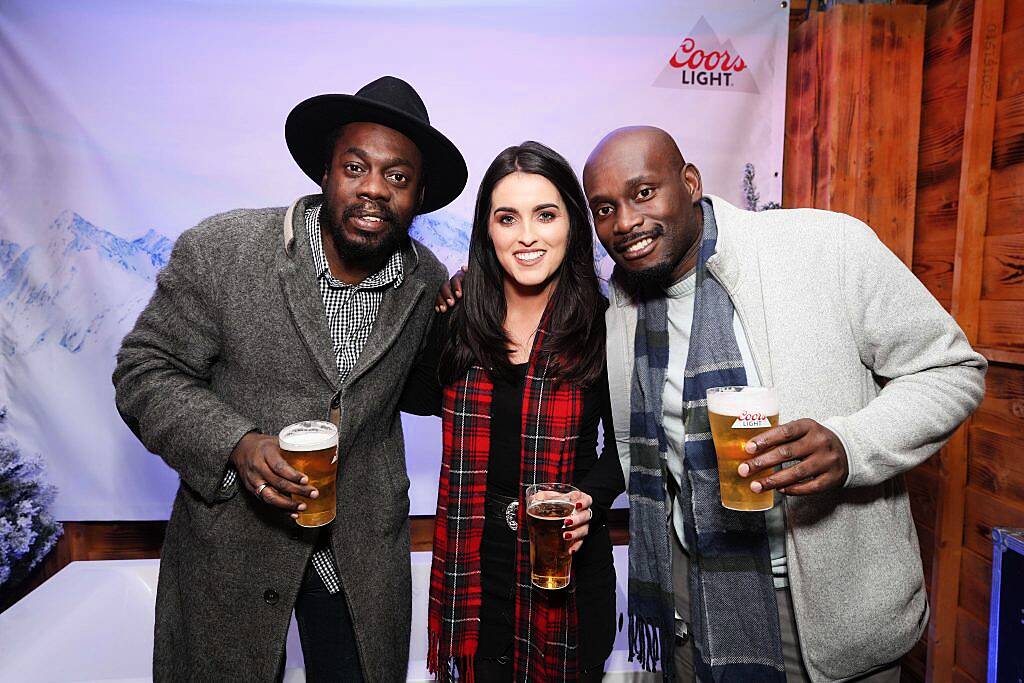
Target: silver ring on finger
x,y
259,489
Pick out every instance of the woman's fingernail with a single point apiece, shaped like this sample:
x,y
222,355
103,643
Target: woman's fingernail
x,y
302,506
568,536
579,506
756,487
744,469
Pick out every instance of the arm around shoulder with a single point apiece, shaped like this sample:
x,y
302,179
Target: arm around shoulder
x,y
423,393
162,377
933,379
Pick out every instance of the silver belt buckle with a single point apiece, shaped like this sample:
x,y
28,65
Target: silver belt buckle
x,y
512,515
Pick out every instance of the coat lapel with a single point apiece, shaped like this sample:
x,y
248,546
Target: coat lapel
x,y
737,267
302,295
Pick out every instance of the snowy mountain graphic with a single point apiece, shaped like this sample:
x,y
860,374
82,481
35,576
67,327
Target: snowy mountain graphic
x,y
446,234
78,283
82,286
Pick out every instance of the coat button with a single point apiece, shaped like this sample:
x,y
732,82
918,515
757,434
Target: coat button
x,y
271,597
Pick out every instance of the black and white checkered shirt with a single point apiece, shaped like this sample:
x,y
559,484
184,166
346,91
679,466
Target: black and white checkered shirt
x,y
351,311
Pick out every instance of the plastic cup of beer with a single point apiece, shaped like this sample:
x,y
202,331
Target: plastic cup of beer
x,y
548,505
311,447
738,414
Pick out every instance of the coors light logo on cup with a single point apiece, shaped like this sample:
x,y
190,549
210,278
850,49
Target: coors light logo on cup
x,y
736,415
701,60
749,420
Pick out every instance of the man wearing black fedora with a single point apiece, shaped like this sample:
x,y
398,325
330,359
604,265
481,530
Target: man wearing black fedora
x,y
267,317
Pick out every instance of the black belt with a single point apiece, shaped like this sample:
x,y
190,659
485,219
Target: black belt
x,y
503,508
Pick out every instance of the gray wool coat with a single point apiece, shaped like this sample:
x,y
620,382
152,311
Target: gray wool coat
x,y
235,339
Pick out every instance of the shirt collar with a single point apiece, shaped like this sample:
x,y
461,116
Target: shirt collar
x,y
392,273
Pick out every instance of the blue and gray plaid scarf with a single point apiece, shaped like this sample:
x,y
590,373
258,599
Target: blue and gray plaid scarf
x,y
733,616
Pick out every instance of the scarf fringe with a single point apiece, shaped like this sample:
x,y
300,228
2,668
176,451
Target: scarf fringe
x,y
644,642
433,641
456,667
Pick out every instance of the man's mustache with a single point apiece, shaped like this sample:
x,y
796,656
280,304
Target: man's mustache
x,y
623,243
364,209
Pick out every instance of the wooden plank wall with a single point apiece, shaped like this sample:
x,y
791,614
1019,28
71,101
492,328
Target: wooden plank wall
x,y
993,316
967,247
855,149
968,251
943,110
957,643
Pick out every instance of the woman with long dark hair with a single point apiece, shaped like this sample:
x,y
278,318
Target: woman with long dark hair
x,y
521,388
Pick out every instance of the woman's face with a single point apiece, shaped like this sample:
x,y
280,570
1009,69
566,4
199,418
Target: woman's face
x,y
529,227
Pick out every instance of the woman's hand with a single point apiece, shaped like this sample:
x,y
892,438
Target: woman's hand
x,y
577,525
450,291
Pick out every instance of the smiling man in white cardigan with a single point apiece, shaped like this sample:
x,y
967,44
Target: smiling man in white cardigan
x,y
873,377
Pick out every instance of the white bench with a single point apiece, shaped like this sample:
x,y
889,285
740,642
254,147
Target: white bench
x,y
94,621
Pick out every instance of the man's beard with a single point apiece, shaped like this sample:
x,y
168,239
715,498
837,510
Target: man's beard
x,y
652,279
379,246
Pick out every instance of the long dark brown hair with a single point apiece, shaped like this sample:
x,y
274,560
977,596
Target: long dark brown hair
x,y
575,332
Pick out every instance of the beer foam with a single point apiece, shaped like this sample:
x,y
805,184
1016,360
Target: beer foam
x,y
313,435
751,399
563,508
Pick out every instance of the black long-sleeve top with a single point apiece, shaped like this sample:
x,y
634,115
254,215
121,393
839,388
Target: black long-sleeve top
x,y
598,476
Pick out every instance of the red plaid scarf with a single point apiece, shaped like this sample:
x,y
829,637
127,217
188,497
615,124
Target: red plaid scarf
x,y
545,621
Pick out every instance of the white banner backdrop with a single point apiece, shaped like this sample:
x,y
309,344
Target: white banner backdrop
x,y
124,123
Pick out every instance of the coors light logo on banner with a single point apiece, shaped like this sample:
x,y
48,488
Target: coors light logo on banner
x,y
704,62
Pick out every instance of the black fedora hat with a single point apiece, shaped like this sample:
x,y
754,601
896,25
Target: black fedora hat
x,y
387,101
